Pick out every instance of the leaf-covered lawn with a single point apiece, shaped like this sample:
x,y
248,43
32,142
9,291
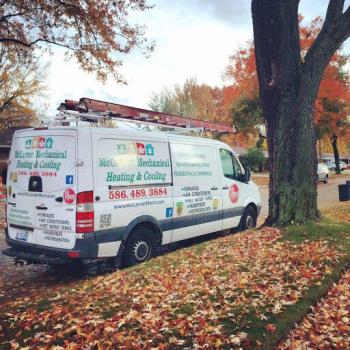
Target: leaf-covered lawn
x,y
232,292
340,212
328,325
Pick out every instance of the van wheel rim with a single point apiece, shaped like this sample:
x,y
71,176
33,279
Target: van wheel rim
x,y
249,222
141,250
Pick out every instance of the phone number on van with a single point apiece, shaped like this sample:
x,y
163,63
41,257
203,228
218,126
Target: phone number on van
x,y
138,193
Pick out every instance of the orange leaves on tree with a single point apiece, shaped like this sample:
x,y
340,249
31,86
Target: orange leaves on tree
x,y
332,105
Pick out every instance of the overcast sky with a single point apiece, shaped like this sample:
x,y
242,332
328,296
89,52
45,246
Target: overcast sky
x,y
194,38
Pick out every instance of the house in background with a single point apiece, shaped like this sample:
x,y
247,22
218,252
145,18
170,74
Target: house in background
x,y
5,145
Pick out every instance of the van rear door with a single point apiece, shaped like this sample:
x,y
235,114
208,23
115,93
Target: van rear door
x,y
42,187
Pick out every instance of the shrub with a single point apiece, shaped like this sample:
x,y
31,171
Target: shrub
x,y
253,159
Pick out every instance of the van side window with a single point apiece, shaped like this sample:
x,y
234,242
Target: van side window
x,y
228,168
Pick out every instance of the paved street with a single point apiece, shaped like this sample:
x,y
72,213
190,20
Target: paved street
x,y
327,195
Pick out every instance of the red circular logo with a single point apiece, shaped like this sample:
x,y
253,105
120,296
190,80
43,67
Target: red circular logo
x,y
69,196
234,193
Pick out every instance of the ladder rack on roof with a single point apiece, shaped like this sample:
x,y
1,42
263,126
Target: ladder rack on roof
x,y
98,111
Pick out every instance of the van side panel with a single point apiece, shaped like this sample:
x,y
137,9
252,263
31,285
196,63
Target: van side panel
x,y
132,179
197,192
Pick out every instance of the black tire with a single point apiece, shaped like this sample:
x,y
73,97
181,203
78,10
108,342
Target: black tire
x,y
248,220
140,246
326,179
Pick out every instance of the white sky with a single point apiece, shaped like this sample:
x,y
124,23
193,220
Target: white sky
x,y
194,38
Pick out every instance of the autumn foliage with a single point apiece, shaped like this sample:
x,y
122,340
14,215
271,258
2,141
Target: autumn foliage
x,y
95,33
332,105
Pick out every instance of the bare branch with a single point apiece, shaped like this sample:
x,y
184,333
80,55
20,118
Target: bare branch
x,y
335,30
17,41
4,18
334,11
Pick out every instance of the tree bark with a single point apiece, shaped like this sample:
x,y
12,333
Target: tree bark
x,y
334,142
288,89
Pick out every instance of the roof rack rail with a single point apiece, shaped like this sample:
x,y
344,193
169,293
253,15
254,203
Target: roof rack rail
x,y
100,112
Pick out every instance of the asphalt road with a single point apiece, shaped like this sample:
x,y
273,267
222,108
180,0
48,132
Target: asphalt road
x,y
327,195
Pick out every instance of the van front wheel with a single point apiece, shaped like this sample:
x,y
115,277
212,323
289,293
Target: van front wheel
x,y
139,247
248,219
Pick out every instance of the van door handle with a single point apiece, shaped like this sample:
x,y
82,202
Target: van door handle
x,y
41,207
214,188
225,188
59,199
14,204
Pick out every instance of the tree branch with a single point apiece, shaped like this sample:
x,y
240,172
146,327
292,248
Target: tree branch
x,y
20,42
5,17
334,11
7,103
335,30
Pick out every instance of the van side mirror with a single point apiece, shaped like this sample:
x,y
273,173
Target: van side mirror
x,y
247,175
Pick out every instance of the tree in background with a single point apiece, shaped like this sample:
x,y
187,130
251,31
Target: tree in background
x,y
332,106
164,101
199,101
21,81
289,79
332,103
96,33
253,159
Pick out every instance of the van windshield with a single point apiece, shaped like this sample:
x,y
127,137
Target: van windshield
x,y
49,159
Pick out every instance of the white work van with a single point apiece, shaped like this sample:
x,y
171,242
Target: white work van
x,y
90,193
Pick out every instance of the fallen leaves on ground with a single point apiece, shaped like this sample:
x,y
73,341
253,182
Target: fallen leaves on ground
x,y
328,325
340,212
204,296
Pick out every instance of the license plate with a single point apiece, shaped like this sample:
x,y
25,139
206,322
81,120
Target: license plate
x,y
22,236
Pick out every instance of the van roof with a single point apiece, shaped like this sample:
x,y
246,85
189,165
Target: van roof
x,y
123,131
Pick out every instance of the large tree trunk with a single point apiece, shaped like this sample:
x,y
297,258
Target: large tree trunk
x,y
334,142
287,108
288,86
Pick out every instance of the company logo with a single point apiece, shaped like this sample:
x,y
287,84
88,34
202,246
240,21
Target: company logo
x,y
69,196
140,149
149,150
131,148
234,193
39,142
69,179
169,212
121,149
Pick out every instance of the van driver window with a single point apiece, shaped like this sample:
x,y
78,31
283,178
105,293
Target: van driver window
x,y
227,164
238,169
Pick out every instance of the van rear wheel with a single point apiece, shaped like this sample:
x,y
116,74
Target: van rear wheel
x,y
140,246
248,219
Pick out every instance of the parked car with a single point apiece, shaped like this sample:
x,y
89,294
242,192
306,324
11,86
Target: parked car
x,y
331,165
322,172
